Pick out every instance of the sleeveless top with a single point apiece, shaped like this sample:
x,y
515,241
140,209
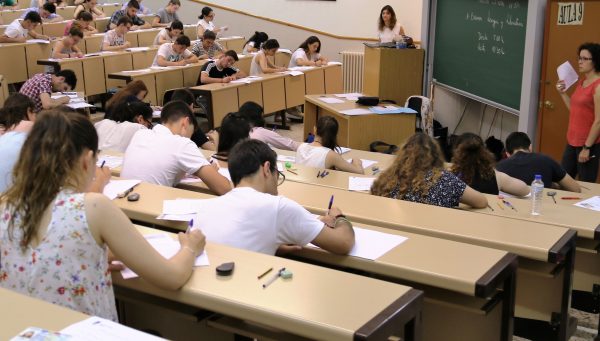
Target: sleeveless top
x,y
446,192
311,156
255,68
489,186
582,115
67,268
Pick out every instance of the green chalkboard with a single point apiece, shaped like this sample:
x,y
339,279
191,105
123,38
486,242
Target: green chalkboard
x,y
479,48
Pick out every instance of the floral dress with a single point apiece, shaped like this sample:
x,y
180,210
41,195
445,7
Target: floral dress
x,y
67,268
446,192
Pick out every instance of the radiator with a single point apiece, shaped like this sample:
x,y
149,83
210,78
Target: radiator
x,y
352,65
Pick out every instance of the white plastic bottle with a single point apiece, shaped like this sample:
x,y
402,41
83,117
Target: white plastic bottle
x,y
537,194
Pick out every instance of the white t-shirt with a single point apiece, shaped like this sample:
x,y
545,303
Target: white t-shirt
x,y
255,221
166,51
245,50
164,33
301,54
255,68
312,156
116,135
159,157
113,39
387,35
16,30
210,26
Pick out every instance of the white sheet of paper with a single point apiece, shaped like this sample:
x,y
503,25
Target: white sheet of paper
x,y
96,328
181,206
334,63
294,73
59,95
79,105
136,71
365,163
135,49
356,112
567,73
592,203
246,80
351,94
301,68
371,244
38,41
177,217
286,158
330,100
280,166
156,113
342,150
114,187
285,51
166,247
190,179
356,183
111,161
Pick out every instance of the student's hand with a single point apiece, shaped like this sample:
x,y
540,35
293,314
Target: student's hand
x,y
22,39
226,79
181,63
285,249
79,55
102,176
282,69
319,63
357,162
334,212
127,44
561,87
134,28
64,100
194,239
584,156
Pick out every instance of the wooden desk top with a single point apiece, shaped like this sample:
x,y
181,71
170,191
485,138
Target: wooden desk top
x,y
127,75
22,311
466,268
96,55
225,86
527,239
383,160
337,107
591,188
311,303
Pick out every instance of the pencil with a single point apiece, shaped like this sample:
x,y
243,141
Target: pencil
x,y
291,171
265,273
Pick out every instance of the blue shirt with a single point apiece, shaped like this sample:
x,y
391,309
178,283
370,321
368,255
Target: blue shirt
x,y
10,148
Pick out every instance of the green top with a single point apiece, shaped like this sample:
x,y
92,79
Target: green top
x,y
7,3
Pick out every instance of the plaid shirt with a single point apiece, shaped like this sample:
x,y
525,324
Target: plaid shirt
x,y
114,19
35,86
199,50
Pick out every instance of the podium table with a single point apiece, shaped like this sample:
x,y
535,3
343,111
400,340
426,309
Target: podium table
x,y
393,74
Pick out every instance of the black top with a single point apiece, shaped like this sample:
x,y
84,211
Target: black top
x,y
446,192
215,72
489,186
524,166
199,138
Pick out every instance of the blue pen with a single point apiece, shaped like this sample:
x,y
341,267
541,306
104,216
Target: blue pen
x,y
190,225
330,203
324,174
103,162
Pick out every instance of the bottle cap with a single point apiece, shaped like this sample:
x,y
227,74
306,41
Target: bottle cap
x,y
538,177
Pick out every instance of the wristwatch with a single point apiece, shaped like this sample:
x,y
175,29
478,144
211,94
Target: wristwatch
x,y
585,147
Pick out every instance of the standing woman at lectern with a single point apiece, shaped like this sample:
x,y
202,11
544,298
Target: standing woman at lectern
x,y
390,29
583,133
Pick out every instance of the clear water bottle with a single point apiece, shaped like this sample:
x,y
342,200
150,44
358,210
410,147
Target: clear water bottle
x,y
401,44
537,194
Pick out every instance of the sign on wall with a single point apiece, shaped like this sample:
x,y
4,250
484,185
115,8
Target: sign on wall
x,y
570,13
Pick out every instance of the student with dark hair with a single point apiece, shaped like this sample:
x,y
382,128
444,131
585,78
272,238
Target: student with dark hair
x,y
83,21
134,91
205,23
47,13
308,54
522,163
90,6
67,46
582,152
474,165
167,15
261,64
129,117
114,40
390,29
255,42
175,54
321,152
16,120
207,141
252,216
42,85
130,12
221,70
21,29
68,232
234,128
169,34
165,154
207,47
253,113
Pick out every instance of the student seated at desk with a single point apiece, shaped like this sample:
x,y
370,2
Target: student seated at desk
x,y
206,47
90,6
221,70
55,237
143,9
321,152
261,64
308,54
129,117
167,15
522,163
169,34
134,91
255,42
390,29
175,54
418,175
16,120
21,29
47,12
205,23
42,85
67,46
130,12
253,217
40,3
253,113
114,40
234,128
474,165
165,154
207,141
83,21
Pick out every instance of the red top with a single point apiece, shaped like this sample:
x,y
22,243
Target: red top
x,y
582,115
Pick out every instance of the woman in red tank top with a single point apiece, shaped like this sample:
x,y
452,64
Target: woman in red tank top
x,y
583,134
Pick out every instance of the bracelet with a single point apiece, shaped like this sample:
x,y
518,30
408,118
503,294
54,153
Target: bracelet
x,y
190,250
340,216
344,219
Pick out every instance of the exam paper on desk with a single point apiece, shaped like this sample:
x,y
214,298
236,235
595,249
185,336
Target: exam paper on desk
x,y
96,328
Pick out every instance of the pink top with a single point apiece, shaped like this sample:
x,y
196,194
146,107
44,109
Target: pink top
x,y
582,114
273,139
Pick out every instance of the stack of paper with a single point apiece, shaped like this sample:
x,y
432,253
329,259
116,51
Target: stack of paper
x,y
114,187
592,203
567,73
96,328
180,209
391,109
356,183
167,247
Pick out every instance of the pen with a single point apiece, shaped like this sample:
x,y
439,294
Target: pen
x,y
318,174
508,204
324,174
330,204
291,171
490,207
570,198
502,208
273,278
190,225
124,194
103,162
265,273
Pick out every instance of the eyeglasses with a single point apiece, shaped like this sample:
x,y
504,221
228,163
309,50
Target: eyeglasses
x,y
280,178
583,58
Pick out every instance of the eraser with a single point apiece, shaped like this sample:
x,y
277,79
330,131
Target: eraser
x,y
288,164
225,269
286,274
